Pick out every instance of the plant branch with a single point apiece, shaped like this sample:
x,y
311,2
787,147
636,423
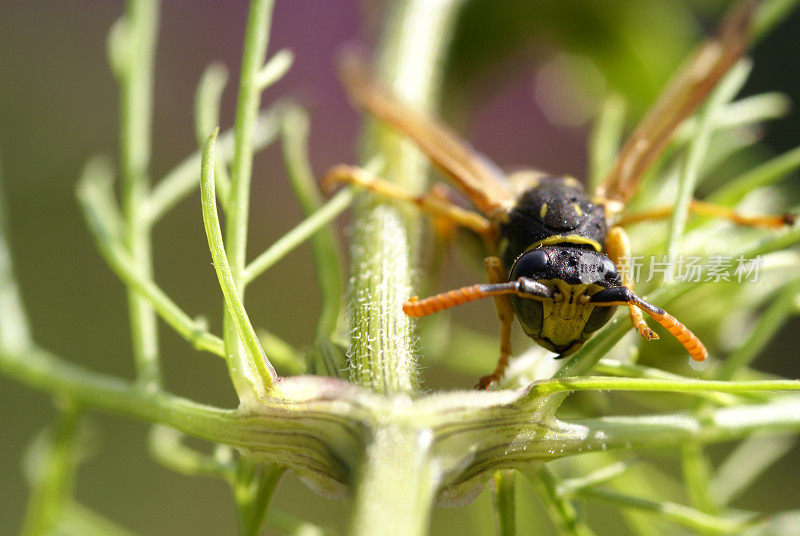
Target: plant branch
x,y
695,156
136,88
504,502
206,118
53,484
299,234
15,332
677,513
562,512
327,258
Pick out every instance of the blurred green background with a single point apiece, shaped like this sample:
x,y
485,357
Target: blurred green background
x,y
523,81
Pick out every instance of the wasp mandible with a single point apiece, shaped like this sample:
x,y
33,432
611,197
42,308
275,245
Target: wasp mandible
x,y
556,250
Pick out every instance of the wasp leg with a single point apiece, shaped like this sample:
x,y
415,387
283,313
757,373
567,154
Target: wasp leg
x,y
505,312
433,203
618,247
716,211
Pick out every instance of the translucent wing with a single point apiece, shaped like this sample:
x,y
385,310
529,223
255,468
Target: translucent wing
x,y
691,84
468,170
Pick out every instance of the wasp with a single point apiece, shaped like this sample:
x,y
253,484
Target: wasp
x,y
556,250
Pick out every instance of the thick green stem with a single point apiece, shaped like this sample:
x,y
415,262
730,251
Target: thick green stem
x,y
253,54
136,89
381,351
397,483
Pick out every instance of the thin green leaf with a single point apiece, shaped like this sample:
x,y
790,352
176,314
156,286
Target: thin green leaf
x,y
244,329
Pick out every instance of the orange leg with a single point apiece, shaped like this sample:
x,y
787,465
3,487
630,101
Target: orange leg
x,y
618,247
432,203
708,209
505,312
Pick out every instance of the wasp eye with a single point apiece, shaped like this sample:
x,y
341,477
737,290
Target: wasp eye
x,y
610,272
609,267
531,263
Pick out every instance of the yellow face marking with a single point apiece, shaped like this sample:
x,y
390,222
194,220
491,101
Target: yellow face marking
x,y
564,319
543,210
578,209
565,239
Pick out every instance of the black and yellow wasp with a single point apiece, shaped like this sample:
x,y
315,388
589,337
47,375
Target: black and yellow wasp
x,y
556,249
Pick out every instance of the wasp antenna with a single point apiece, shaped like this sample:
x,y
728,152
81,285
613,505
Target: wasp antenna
x,y
522,287
624,296
439,302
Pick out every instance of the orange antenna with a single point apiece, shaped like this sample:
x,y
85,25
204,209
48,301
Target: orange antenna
x,y
624,296
522,287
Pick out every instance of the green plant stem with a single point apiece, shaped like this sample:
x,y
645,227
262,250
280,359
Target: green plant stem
x,y
253,361
253,492
206,118
299,234
15,332
136,88
253,53
677,513
764,174
504,502
52,489
605,138
543,387
770,13
562,512
571,486
272,71
292,526
748,111
694,158
396,483
166,447
319,432
81,521
327,258
612,367
765,328
185,177
746,462
381,348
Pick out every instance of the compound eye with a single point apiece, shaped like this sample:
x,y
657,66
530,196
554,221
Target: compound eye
x,y
610,272
532,263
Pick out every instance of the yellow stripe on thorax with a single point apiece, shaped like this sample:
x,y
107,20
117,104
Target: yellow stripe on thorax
x,y
565,239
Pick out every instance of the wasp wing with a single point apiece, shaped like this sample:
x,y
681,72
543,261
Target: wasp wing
x,y
682,96
472,173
